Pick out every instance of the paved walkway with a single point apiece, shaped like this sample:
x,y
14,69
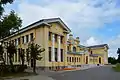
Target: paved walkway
x,y
48,75
98,73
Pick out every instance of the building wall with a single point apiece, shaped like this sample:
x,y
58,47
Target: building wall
x,y
59,31
103,52
74,59
41,35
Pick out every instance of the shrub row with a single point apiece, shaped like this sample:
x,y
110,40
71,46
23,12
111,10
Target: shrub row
x,y
16,68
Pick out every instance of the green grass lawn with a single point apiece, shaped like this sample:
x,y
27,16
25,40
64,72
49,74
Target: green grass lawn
x,y
117,67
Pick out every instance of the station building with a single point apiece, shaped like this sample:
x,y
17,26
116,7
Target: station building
x,y
61,50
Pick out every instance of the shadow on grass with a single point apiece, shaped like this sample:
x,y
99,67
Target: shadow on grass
x,y
16,75
116,67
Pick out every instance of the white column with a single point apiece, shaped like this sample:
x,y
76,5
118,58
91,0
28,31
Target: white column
x,y
53,47
29,38
59,51
25,56
17,41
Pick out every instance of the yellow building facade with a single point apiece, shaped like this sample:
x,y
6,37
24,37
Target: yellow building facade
x,y
60,51
79,55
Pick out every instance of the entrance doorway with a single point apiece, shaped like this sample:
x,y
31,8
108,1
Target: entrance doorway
x,y
99,60
86,59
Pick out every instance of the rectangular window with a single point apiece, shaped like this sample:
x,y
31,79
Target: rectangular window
x,y
61,55
18,41
68,48
27,38
16,57
55,37
61,39
56,54
31,37
50,54
23,39
75,59
49,35
19,55
70,59
79,59
27,54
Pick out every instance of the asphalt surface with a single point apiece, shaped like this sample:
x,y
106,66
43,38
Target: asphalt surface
x,y
99,73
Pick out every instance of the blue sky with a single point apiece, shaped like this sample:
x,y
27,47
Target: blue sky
x,y
94,21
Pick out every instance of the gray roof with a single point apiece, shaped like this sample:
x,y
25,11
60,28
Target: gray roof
x,y
95,55
76,52
81,46
98,46
41,22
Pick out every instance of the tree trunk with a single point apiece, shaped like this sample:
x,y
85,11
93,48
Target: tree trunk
x,y
34,65
11,64
22,61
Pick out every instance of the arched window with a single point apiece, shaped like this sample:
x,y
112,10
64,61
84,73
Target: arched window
x,y
74,49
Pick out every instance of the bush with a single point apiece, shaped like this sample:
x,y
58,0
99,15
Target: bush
x,y
7,69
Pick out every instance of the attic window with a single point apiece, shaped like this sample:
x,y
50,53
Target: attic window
x,y
74,49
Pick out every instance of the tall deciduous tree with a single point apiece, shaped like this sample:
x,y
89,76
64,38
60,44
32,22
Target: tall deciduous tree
x,y
9,24
22,56
118,52
34,50
112,60
1,54
11,50
3,3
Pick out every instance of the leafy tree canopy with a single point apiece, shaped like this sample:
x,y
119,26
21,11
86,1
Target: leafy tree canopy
x,y
3,3
112,60
8,23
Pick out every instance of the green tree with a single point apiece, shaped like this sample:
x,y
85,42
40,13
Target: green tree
x,y
1,54
9,24
22,56
34,50
3,3
118,52
112,60
11,50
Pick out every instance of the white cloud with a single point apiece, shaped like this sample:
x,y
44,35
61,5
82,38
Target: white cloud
x,y
82,13
114,44
81,16
92,41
